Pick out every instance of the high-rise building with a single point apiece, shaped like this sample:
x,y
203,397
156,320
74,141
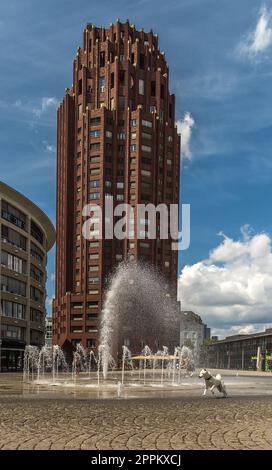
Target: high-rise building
x,y
26,236
117,138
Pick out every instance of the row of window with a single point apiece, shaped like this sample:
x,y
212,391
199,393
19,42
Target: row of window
x,y
13,262
89,329
13,309
13,215
12,332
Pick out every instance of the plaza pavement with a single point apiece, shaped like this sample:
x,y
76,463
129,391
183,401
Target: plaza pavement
x,y
58,418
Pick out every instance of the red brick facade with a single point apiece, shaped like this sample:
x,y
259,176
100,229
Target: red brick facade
x,y
116,136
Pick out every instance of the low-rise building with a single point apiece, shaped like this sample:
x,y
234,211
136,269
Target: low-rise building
x,y
193,332
248,352
48,331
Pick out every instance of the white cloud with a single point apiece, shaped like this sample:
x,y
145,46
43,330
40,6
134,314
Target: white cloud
x,y
49,303
185,130
46,103
49,147
260,39
232,289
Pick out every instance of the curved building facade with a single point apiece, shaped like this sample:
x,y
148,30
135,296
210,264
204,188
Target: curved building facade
x,y
26,236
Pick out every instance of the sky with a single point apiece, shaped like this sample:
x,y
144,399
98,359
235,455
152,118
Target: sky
x,y
220,58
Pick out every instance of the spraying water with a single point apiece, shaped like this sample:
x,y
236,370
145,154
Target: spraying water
x,y
138,307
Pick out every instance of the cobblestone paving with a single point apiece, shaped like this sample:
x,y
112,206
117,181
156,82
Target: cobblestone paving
x,y
169,423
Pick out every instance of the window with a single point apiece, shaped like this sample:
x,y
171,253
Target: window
x,y
93,196
91,316
95,146
14,286
142,61
91,343
94,244
93,268
133,135
141,87
36,232
153,88
133,122
80,87
13,262
120,197
121,136
146,148
14,238
95,171
12,332
133,148
109,134
102,59
76,329
147,123
36,253
93,280
162,91
13,309
95,120
144,245
122,58
93,292
120,185
13,215
36,294
146,161
146,136
152,109
101,84
145,173
94,184
121,103
112,80
92,304
77,305
77,317
95,159
95,134
36,273
94,256
170,138
36,315
122,75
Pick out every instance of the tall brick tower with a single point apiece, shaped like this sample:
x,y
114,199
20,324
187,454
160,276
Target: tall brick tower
x,y
116,138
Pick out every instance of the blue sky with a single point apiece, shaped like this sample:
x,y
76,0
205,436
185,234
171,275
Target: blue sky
x,y
216,74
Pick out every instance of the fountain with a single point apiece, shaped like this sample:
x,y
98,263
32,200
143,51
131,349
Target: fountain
x,y
58,361
126,356
44,361
137,304
31,359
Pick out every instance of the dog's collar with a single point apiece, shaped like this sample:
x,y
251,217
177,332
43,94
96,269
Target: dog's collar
x,y
209,377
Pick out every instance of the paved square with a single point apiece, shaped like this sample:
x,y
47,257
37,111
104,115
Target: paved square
x,y
40,421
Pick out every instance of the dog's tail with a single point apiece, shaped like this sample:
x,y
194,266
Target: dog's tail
x,y
218,377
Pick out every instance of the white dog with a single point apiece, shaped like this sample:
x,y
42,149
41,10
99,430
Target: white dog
x,y
212,382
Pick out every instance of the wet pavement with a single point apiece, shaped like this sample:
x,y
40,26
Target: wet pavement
x,y
76,415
